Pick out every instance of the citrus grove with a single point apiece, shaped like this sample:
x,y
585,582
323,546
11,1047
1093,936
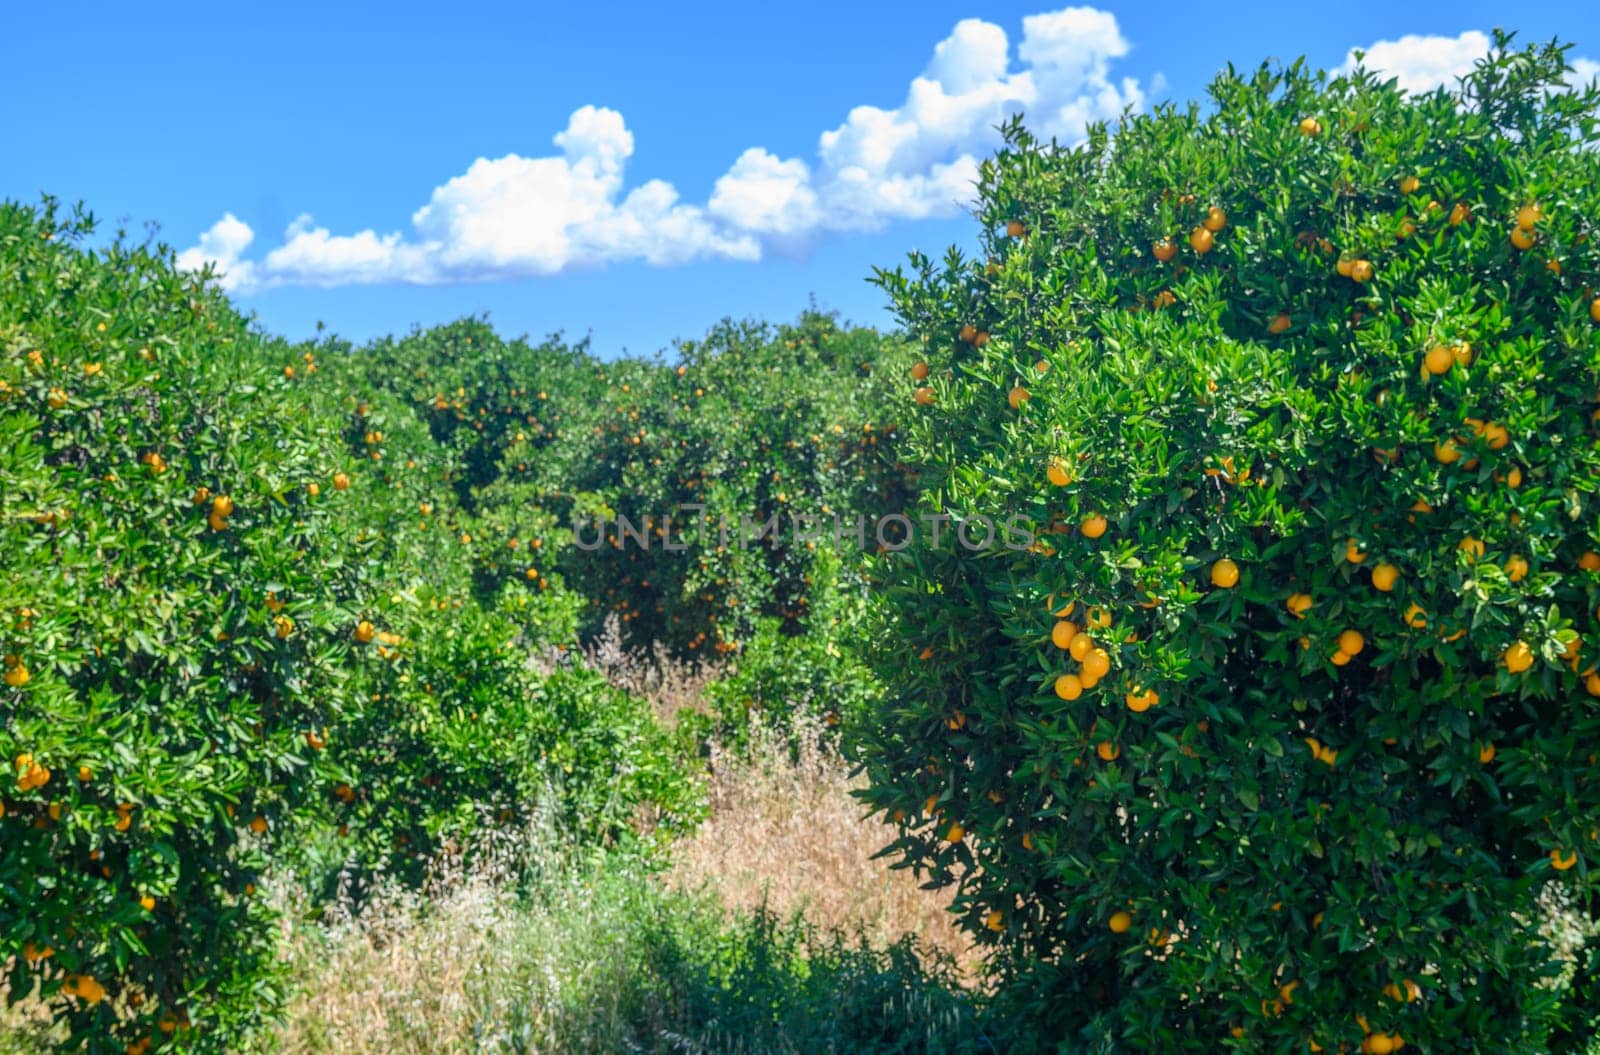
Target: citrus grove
x,y
267,609
1276,734
1273,737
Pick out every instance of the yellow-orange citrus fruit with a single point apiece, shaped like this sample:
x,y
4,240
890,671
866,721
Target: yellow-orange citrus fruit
x,y
1069,687
1384,577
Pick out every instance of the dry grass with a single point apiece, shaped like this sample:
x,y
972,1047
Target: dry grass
x,y
671,685
784,831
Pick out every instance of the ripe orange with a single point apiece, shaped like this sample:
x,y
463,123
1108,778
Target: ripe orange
x,y
1409,185
1280,323
1201,240
1472,547
1062,633
1120,922
955,833
1080,646
341,482
919,371
1518,658
1516,568
1225,574
1486,754
1018,396
1528,217
1447,452
258,824
1351,642
923,397
1415,617
1594,309
1097,664
1093,526
1439,360
1057,473
1015,228
1141,700
1590,561
1310,126
1107,751
995,920
1215,219
1521,238
17,674
1561,862
1298,604
1069,687
1460,214
1354,553
1361,270
1164,250
1344,265
1384,577
969,332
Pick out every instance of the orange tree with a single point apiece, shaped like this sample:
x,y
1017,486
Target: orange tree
x,y
755,426
1270,732
229,632
752,422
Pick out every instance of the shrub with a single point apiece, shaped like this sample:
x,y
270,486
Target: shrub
x,y
241,615
1272,736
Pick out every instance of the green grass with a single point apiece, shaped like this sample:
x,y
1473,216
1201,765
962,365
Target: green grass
x,y
598,956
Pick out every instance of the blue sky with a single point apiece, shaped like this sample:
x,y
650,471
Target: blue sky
x,y
380,166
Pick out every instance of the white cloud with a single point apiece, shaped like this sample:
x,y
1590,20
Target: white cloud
x,y
764,194
1421,63
517,216
221,246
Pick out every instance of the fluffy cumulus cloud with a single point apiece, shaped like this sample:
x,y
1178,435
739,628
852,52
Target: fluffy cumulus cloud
x,y
529,216
1421,63
221,247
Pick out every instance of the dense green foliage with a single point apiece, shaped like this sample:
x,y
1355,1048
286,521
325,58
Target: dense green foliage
x,y
1325,360
273,605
